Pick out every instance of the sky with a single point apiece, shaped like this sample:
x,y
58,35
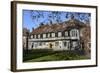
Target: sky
x,y
33,18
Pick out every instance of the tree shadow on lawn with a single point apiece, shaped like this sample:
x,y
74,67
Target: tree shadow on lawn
x,y
50,55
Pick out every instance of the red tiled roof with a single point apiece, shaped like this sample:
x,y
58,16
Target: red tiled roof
x,y
57,27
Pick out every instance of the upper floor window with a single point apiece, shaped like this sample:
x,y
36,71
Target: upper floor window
x,y
31,36
59,34
48,35
53,34
44,35
34,36
74,33
38,35
66,33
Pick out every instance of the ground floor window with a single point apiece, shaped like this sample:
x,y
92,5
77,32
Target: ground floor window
x,y
65,44
40,44
68,45
50,45
74,44
35,45
56,43
43,43
32,45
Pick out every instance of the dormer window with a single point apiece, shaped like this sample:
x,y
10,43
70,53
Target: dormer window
x,y
48,35
66,33
31,36
35,36
53,34
74,33
59,34
38,35
44,35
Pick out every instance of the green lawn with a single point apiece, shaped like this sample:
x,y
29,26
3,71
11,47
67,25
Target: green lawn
x,y
40,56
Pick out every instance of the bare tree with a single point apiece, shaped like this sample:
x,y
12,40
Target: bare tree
x,y
51,17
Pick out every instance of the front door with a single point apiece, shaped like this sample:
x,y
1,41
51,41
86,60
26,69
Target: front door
x,y
50,45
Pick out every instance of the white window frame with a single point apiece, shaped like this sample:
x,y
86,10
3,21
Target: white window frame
x,y
32,46
56,43
59,34
48,35
31,36
40,43
65,43
35,36
66,33
38,35
44,35
74,33
53,34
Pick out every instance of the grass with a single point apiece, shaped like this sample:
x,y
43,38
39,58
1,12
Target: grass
x,y
50,55
32,54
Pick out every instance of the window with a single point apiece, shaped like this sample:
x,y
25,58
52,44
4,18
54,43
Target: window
x,y
66,33
56,34
65,44
38,35
40,44
32,45
75,44
53,34
68,45
34,36
36,45
31,36
56,43
48,35
59,34
74,32
43,43
44,35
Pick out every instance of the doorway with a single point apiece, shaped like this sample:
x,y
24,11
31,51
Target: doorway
x,y
50,45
